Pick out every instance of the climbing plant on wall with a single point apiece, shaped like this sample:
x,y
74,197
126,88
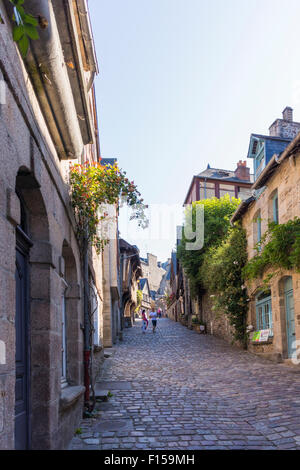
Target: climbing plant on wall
x,y
93,188
279,248
217,213
222,276
139,299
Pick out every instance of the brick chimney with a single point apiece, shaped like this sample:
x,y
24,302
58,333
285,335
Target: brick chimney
x,y
285,127
242,171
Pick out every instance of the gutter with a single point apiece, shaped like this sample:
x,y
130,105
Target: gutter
x,y
48,72
241,209
88,39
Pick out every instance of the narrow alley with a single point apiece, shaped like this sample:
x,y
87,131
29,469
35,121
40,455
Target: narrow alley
x,y
176,389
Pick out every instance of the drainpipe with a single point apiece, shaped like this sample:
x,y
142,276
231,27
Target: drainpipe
x,y
87,326
47,69
122,257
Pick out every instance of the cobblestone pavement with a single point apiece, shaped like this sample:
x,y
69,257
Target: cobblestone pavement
x,y
176,389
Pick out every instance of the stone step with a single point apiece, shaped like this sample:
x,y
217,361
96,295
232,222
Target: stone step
x,y
100,393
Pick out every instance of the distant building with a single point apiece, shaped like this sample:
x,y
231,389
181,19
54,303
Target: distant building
x,y
153,271
146,301
131,271
214,182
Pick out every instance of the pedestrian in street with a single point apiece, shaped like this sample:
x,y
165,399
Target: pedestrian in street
x,y
153,316
144,322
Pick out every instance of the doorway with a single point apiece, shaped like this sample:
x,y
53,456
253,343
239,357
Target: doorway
x,y
290,315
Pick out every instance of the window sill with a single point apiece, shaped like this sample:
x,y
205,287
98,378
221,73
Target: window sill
x,y
258,343
70,395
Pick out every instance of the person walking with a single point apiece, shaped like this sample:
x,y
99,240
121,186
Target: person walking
x,y
153,317
144,322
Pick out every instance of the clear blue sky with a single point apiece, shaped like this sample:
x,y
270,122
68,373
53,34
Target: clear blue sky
x,y
183,83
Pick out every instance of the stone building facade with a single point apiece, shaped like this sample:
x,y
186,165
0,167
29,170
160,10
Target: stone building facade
x,y
143,286
47,119
153,271
277,198
215,182
132,271
280,191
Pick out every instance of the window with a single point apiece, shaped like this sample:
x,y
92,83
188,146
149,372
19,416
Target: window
x,y
95,311
264,312
275,208
207,190
254,147
227,189
64,286
257,228
64,342
259,162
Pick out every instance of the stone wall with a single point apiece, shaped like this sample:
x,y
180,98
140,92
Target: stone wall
x,y
152,272
286,181
30,165
217,324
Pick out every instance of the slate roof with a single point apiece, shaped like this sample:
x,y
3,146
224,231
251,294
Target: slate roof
x,y
108,161
142,283
220,174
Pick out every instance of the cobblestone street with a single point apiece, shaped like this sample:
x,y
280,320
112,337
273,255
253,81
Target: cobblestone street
x,y
176,389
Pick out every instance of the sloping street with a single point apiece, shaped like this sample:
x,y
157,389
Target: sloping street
x,y
176,389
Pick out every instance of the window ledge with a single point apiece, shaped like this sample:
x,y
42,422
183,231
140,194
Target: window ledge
x,y
259,343
70,395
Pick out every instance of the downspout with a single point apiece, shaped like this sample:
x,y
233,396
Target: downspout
x,y
122,256
87,326
47,69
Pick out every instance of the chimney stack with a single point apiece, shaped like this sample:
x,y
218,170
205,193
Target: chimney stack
x,y
242,171
285,127
287,114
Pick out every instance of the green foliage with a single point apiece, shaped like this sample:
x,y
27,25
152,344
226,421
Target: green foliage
x,y
217,214
92,187
222,276
78,431
139,299
170,299
279,248
25,27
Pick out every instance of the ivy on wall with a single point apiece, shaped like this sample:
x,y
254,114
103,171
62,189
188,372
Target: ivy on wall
x,y
139,299
217,268
279,248
223,278
217,214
